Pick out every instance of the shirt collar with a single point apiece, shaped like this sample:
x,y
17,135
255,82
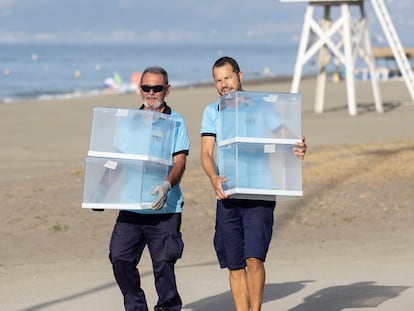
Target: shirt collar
x,y
167,109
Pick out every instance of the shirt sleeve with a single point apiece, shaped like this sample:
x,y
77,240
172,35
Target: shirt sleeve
x,y
182,141
210,120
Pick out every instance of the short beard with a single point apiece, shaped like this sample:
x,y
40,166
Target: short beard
x,y
153,107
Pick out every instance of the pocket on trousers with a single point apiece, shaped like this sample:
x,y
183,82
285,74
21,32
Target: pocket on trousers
x,y
174,247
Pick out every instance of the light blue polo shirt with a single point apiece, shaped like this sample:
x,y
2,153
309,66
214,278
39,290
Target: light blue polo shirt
x,y
255,119
129,139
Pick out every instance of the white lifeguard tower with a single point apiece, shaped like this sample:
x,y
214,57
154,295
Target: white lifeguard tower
x,y
344,40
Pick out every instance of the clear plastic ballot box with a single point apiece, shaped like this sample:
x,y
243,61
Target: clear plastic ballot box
x,y
120,183
257,134
259,117
132,134
130,153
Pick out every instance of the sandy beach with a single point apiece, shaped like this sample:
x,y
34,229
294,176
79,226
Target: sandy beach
x,y
347,244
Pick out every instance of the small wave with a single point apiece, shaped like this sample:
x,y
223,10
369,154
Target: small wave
x,y
56,95
60,95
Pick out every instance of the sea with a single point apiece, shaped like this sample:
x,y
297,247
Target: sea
x,y
60,71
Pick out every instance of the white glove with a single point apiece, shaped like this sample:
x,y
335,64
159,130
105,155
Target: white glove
x,y
162,191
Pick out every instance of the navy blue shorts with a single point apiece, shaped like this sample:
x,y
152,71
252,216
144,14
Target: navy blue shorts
x,y
243,230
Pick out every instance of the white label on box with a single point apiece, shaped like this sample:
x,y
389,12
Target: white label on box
x,y
269,148
111,164
122,112
271,98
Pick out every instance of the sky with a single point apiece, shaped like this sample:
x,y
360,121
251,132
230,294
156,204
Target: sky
x,y
172,21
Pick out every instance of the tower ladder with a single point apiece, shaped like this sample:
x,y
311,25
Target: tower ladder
x,y
395,44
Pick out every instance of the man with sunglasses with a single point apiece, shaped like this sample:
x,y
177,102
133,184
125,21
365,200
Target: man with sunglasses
x,y
159,228
243,227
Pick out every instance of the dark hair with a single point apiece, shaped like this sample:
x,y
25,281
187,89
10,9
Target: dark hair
x,y
156,70
227,60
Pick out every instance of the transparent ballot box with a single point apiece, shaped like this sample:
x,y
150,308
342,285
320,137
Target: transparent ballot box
x,y
132,134
259,117
260,171
121,183
257,132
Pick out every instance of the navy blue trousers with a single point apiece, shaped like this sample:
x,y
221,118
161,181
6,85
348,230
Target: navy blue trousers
x,y
161,234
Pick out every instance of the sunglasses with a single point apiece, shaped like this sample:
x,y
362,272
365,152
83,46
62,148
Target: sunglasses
x,y
155,88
